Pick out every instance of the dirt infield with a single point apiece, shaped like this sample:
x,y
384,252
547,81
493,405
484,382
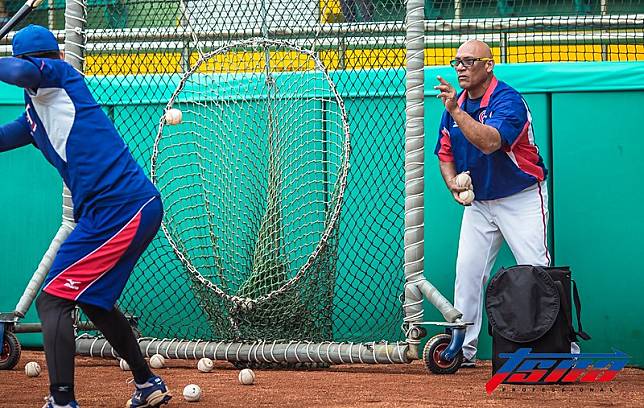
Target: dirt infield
x,y
100,383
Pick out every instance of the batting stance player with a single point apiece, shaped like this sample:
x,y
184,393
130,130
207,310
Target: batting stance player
x,y
487,130
117,209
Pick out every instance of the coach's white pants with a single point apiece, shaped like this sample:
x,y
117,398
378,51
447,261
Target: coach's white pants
x,y
521,220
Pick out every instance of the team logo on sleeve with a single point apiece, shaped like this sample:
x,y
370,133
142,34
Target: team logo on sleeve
x,y
483,116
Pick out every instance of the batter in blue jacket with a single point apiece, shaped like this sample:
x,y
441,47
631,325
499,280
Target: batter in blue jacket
x,y
117,209
487,130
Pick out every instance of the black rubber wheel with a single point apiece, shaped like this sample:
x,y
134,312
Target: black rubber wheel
x,y
431,355
10,354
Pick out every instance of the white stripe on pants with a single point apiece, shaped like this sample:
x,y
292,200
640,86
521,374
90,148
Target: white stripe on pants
x,y
521,220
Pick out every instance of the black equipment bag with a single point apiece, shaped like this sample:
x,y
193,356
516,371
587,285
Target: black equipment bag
x,y
530,307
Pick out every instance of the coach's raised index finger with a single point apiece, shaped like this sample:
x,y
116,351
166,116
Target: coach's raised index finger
x,y
442,80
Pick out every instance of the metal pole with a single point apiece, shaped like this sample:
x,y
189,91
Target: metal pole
x,y
503,45
184,22
414,240
260,351
51,14
604,11
417,287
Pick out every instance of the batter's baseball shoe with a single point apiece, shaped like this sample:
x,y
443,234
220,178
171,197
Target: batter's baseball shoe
x,y
50,403
152,394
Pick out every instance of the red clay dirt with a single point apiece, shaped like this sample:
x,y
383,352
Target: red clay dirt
x,y
101,383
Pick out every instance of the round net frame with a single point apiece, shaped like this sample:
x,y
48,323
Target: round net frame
x,y
253,185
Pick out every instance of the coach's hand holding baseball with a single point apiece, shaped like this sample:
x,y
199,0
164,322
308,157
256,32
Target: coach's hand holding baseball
x,y
453,186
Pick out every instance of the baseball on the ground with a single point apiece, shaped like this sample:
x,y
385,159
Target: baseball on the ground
x,y
32,369
467,196
173,116
157,361
246,376
205,365
463,180
124,365
192,393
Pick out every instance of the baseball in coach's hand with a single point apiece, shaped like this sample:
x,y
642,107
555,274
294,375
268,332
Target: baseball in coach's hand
x,y
467,196
463,180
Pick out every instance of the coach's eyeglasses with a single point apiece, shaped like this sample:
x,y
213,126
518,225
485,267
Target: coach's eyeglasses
x,y
467,62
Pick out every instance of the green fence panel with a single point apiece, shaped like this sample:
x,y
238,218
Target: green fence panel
x,y
30,198
598,149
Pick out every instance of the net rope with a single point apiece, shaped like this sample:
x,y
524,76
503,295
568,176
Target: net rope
x,y
253,184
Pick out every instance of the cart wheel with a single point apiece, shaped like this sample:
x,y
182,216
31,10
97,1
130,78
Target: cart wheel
x,y
10,351
432,355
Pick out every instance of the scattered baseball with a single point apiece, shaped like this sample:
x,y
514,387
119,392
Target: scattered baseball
x,y
192,393
173,116
205,365
124,366
32,369
246,376
157,361
464,180
467,196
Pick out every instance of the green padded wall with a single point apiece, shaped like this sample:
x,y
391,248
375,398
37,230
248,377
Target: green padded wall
x,y
30,198
598,149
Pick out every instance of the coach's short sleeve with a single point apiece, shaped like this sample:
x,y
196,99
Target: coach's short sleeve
x,y
443,147
509,115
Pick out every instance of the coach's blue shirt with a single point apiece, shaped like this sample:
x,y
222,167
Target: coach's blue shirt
x,y
516,165
63,120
